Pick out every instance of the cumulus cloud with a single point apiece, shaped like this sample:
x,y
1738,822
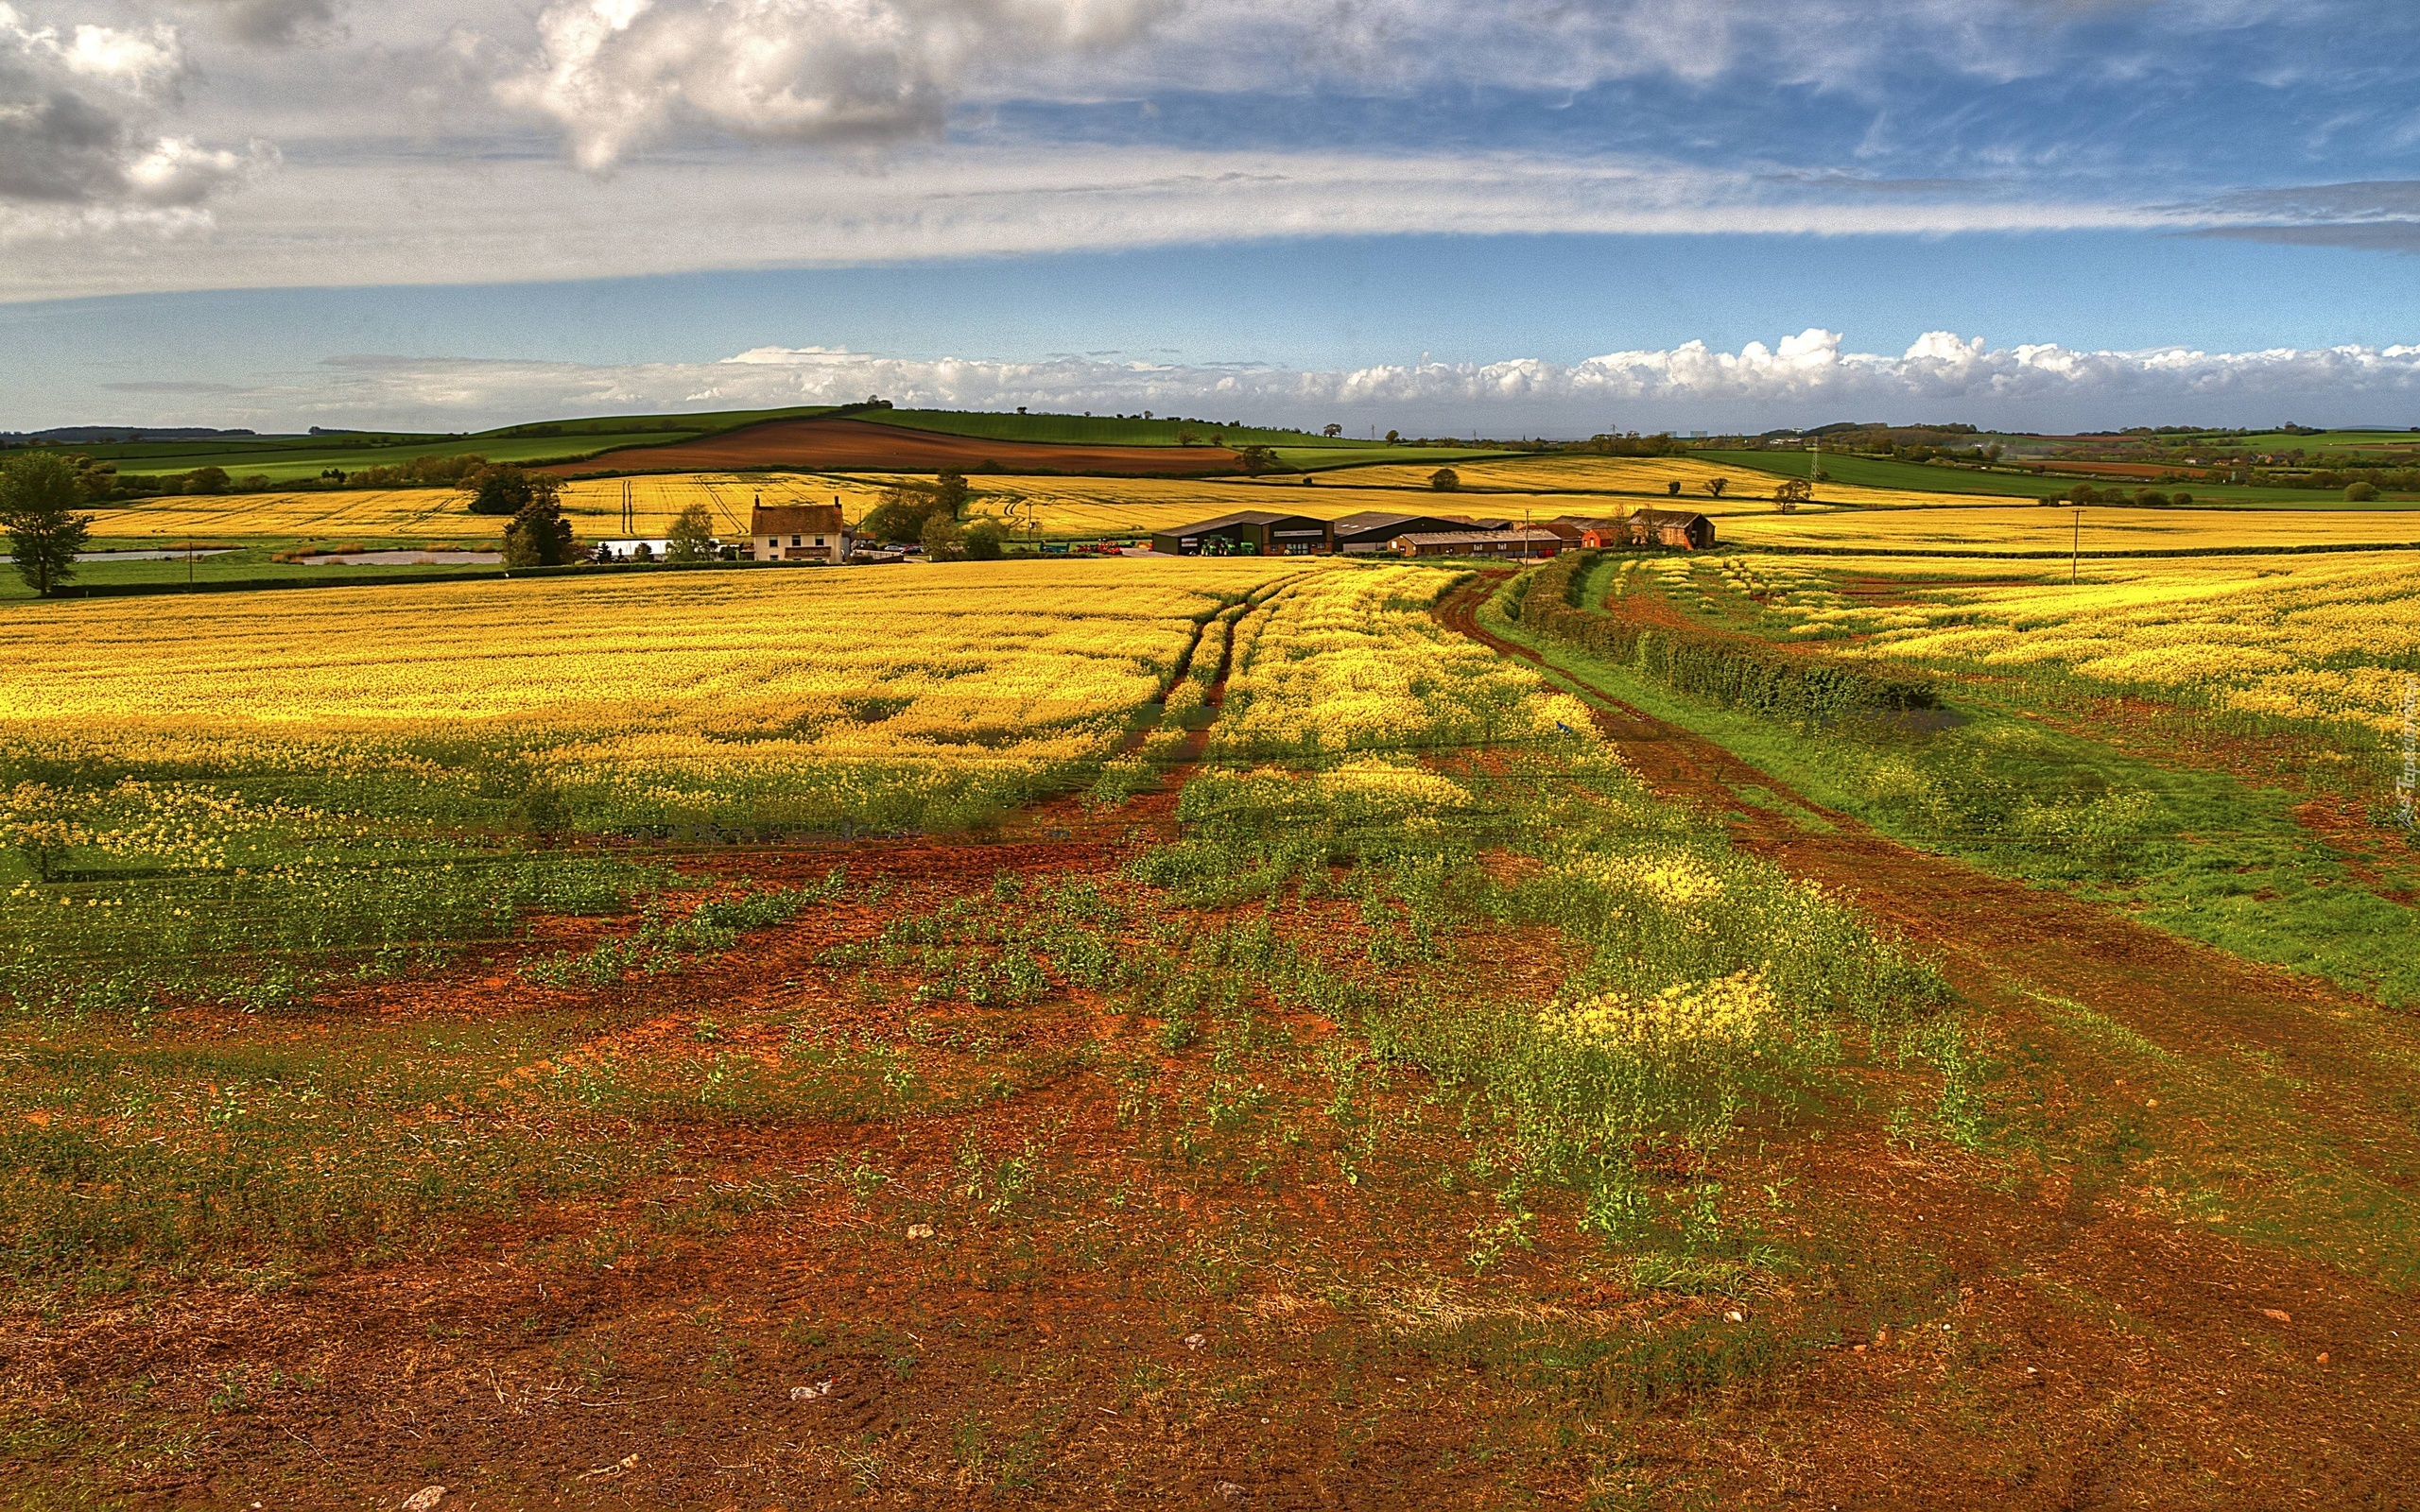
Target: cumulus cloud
x,y
79,126
1802,379
615,71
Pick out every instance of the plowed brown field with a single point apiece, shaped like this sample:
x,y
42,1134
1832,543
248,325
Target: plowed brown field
x,y
856,443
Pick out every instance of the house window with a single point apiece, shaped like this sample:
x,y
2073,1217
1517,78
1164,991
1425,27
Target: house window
x,y
794,541
772,540
818,541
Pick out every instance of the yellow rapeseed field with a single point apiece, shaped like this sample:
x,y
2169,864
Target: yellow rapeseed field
x,y
2054,527
1344,662
2319,638
1637,479
872,694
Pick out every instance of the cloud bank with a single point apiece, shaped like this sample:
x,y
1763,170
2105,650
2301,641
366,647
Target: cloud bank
x,y
1805,379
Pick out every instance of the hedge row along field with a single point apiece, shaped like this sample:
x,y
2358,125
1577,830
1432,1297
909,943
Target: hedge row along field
x,y
1733,671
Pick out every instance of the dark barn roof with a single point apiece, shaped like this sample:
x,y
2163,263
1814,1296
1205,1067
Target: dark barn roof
x,y
1381,525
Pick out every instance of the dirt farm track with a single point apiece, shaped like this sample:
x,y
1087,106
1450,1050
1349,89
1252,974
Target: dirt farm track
x,y
843,444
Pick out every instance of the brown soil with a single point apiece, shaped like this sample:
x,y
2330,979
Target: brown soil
x,y
1276,1311
863,445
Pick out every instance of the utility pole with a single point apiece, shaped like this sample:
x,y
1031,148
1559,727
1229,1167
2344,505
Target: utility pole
x,y
2075,558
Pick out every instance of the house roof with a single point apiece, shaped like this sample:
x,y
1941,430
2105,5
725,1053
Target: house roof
x,y
795,519
1665,517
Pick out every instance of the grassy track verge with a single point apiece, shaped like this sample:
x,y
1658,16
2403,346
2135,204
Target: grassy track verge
x,y
2201,854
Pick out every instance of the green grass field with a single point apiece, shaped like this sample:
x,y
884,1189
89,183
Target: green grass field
x,y
1099,430
287,458
1328,455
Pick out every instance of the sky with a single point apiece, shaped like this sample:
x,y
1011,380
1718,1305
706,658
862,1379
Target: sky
x,y
1444,216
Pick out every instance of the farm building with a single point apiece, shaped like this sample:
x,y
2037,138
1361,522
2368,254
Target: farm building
x,y
1575,532
798,532
1669,527
1247,533
1479,543
1374,530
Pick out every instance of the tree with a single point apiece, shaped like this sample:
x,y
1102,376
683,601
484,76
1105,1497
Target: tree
x,y
1257,460
2361,493
1672,487
539,535
1332,432
692,537
206,480
1714,487
504,489
94,481
38,499
1793,493
1445,480
951,492
1394,438
2083,494
900,515
942,539
983,540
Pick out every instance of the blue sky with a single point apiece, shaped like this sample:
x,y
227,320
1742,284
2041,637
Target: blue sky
x,y
1518,217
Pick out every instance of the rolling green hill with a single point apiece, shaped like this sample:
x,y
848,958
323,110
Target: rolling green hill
x,y
295,459
1097,430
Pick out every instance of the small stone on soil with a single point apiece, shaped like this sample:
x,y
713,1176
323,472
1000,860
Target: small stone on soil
x,y
1194,1341
419,1501
920,1230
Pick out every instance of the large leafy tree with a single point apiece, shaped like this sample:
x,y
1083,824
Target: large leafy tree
x,y
38,492
537,537
692,536
504,488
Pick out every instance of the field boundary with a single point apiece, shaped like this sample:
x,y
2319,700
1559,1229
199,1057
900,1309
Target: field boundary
x,y
2309,549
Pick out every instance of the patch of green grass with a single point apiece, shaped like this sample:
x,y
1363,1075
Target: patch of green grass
x,y
2200,854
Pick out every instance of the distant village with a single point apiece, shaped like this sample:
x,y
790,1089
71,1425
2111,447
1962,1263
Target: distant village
x,y
818,533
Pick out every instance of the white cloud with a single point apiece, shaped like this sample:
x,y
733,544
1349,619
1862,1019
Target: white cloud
x,y
78,137
1804,379
613,73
